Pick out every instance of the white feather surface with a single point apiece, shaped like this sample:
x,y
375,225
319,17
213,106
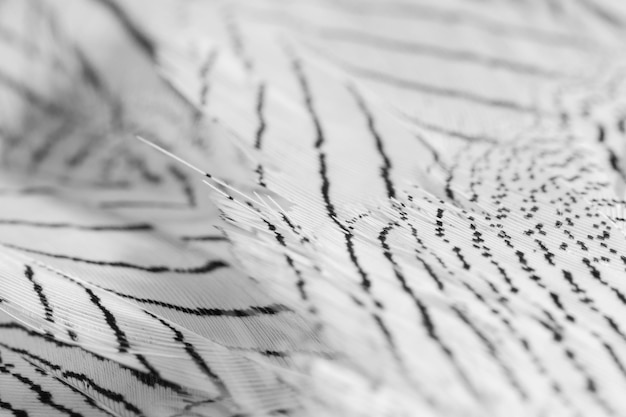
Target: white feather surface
x,y
372,208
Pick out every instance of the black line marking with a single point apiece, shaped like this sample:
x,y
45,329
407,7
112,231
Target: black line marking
x,y
436,158
584,298
15,411
386,167
130,204
30,96
62,225
35,190
115,396
189,407
138,163
418,256
205,238
593,271
323,171
258,140
300,283
601,133
147,379
493,352
448,132
271,309
411,11
63,131
111,321
86,398
260,104
330,208
448,183
427,321
90,73
186,185
607,16
92,140
615,358
189,348
440,91
558,336
237,43
28,272
420,48
205,70
139,37
208,267
44,397
261,180
151,369
459,255
556,388
590,383
111,395
615,164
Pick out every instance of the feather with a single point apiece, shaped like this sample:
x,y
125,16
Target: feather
x,y
224,208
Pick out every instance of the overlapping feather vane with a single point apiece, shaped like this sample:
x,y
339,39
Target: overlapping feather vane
x,y
311,208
